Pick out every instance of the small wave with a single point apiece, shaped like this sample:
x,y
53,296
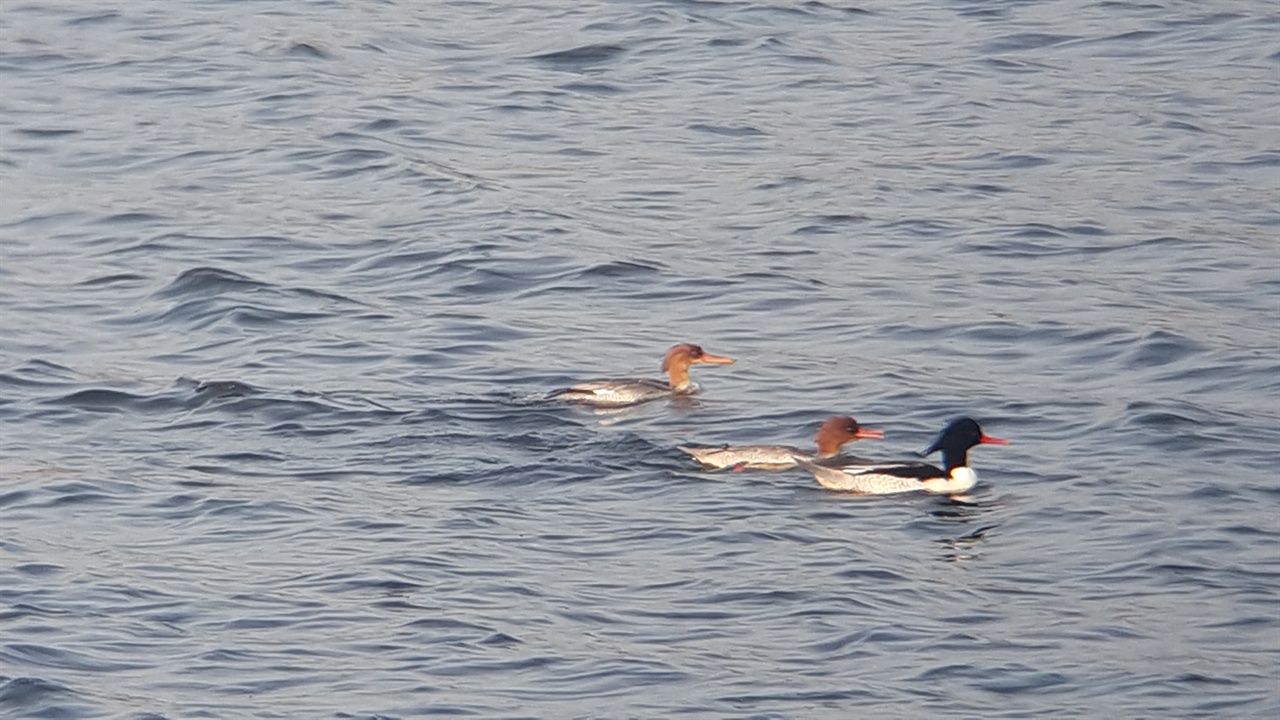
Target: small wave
x,y
1018,42
101,399
207,296
132,218
597,88
620,269
47,656
38,373
581,56
45,132
96,19
211,389
1161,348
306,50
728,130
998,161
114,279
38,697
205,281
803,698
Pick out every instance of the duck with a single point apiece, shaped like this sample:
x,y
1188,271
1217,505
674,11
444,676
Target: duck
x,y
632,391
834,433
953,479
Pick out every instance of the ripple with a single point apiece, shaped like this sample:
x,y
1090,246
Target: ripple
x,y
1161,348
46,656
45,132
38,697
582,56
1025,41
206,282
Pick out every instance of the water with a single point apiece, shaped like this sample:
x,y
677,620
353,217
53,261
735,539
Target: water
x,y
279,281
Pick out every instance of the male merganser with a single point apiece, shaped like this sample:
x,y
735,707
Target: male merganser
x,y
835,432
632,391
885,478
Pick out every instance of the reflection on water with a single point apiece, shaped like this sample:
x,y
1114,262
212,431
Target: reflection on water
x,y
964,547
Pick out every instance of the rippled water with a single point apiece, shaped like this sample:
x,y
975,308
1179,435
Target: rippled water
x,y
280,280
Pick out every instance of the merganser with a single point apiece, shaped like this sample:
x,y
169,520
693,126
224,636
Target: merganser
x,y
835,432
630,391
885,478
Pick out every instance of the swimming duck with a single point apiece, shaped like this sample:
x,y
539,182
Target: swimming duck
x,y
835,432
954,478
631,391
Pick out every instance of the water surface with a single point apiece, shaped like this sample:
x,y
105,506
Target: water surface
x,y
279,283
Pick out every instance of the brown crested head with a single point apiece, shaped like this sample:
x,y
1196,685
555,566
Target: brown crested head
x,y
686,354
680,357
841,429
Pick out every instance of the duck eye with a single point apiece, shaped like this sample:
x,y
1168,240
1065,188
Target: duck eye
x,y
695,351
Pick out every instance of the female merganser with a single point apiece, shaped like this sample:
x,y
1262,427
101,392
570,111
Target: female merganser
x,y
835,432
885,478
632,391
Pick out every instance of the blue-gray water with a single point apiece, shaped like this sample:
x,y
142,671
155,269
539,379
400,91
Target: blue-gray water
x,y
279,279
